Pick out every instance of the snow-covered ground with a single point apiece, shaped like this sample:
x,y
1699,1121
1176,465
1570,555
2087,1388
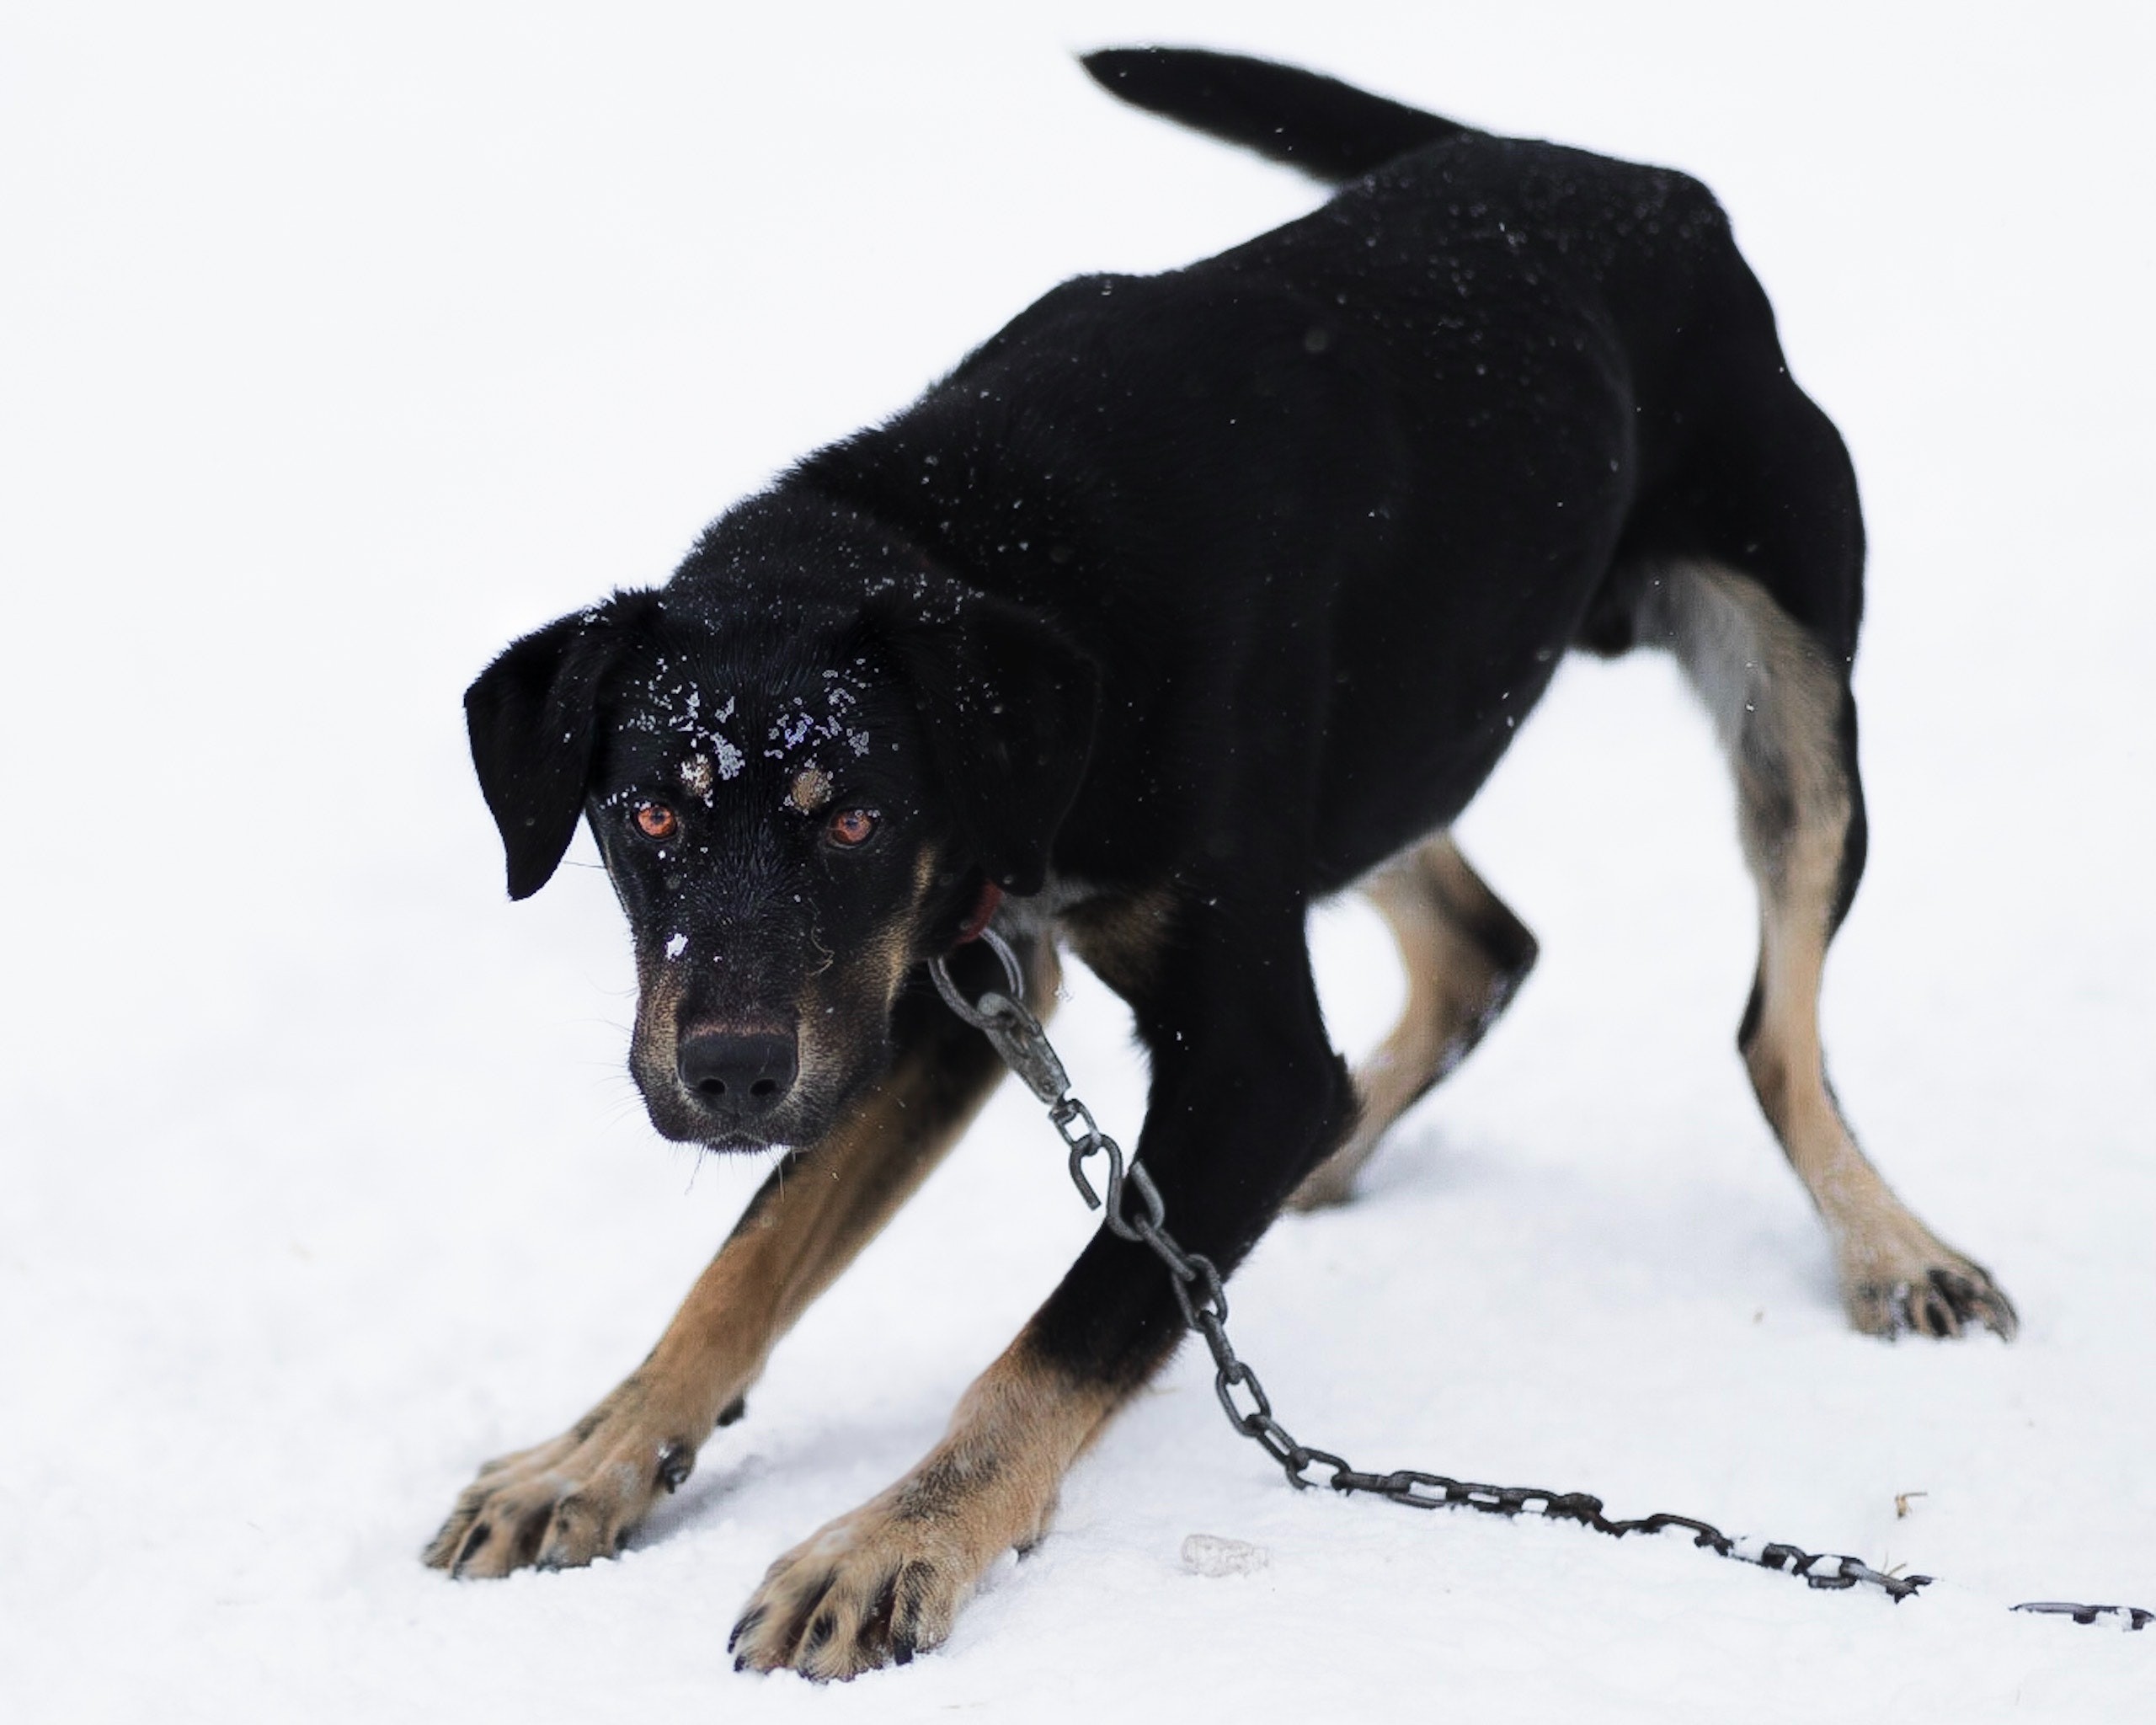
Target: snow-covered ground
x,y
337,345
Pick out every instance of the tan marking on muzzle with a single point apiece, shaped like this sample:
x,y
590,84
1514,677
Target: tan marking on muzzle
x,y
893,949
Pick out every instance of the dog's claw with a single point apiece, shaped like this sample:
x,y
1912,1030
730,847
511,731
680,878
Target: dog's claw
x,y
472,1544
677,1462
1967,1300
1940,1300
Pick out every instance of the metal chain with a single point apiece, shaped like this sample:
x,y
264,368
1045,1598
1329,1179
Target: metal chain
x,y
1002,1017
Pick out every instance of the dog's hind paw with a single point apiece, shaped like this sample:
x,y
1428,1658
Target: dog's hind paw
x,y
561,1505
1934,1292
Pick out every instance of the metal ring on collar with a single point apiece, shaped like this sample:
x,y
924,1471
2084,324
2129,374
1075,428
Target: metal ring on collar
x,y
940,969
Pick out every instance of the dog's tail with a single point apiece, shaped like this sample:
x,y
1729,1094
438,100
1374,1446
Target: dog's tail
x,y
1332,132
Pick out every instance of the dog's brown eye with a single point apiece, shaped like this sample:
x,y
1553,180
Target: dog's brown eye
x,y
655,821
854,826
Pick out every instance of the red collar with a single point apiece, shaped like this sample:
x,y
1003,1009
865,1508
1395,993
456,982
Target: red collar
x,y
991,895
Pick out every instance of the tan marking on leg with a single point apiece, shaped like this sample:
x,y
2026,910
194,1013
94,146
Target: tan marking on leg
x,y
1121,939
577,1498
878,1585
1776,703
1464,954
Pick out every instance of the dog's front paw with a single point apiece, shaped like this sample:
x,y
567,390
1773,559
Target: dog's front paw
x,y
876,1587
871,1589
1921,1287
562,1503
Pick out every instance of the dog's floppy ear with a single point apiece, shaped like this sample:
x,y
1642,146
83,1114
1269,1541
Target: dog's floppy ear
x,y
1006,701
532,715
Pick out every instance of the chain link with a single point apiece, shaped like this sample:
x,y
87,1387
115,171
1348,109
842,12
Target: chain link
x,y
1196,1284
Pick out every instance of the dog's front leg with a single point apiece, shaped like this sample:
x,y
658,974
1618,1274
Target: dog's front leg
x,y
1247,1096
577,1497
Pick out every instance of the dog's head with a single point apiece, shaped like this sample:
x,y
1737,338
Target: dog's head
x,y
797,797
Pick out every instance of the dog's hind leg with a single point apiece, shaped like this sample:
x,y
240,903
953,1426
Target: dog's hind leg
x,y
579,1496
1787,722
1466,956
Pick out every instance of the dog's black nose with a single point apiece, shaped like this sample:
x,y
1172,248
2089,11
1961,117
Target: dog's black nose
x,y
738,1074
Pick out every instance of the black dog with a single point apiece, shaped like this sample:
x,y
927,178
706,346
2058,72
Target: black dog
x,y
1184,601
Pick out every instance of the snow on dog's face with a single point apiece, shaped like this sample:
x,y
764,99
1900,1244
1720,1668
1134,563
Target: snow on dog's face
x,y
797,803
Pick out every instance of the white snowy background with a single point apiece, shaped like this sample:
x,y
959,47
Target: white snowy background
x,y
343,342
